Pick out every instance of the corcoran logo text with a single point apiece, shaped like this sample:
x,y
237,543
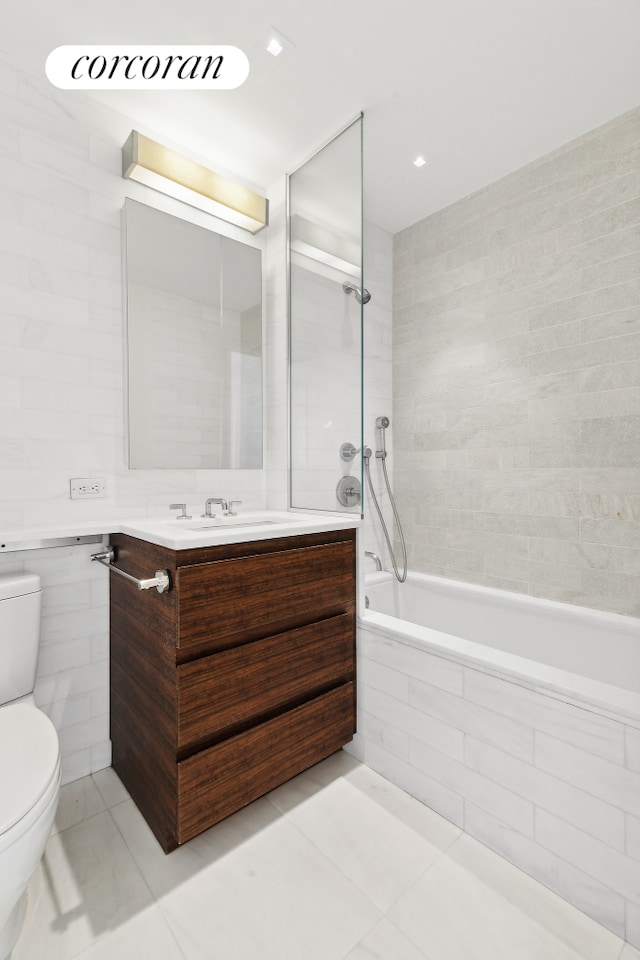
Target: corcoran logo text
x,y
97,67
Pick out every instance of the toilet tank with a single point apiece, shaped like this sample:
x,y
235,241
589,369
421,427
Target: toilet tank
x,y
19,634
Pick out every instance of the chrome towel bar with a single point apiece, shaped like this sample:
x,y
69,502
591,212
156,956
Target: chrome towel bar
x,y
161,580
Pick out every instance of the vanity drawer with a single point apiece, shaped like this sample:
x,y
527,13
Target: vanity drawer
x,y
231,688
224,602
216,782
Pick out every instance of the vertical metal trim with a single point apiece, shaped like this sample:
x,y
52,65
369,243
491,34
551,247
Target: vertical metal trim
x,y
288,285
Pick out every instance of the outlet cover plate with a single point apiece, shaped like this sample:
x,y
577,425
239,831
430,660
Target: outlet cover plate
x,y
87,488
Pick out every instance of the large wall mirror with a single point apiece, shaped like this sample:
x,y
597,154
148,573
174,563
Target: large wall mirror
x,y
194,345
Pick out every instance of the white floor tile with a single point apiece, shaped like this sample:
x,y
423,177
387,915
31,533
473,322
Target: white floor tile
x,y
273,898
163,872
87,885
144,937
302,874
375,850
111,788
385,942
546,908
421,819
78,801
474,906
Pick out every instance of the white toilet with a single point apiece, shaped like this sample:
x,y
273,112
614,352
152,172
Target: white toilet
x,y
29,753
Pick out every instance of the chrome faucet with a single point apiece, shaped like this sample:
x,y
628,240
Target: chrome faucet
x,y
207,506
374,556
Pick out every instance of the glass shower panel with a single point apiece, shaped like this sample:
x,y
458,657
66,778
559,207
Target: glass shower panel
x,y
326,302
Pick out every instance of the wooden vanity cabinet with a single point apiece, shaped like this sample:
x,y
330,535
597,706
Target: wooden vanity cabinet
x,y
236,679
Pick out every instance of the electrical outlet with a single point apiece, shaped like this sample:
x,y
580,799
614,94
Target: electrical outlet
x,y
87,488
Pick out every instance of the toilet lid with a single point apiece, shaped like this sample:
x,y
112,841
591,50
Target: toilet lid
x,y
29,753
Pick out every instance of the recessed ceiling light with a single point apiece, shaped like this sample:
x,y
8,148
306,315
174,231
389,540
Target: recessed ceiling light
x,y
275,43
419,162
274,47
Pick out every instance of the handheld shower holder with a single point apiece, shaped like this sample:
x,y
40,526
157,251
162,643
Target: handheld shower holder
x,y
381,424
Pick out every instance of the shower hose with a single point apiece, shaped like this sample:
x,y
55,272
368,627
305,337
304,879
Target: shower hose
x,y
400,577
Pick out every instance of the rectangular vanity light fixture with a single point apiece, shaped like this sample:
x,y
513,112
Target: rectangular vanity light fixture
x,y
163,169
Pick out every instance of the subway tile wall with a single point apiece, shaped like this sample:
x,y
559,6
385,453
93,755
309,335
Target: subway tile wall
x,y
325,384
517,378
550,786
378,383
72,684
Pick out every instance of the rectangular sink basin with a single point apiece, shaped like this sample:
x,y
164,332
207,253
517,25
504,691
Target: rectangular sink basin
x,y
220,522
217,522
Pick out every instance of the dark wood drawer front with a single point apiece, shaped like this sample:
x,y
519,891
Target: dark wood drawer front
x,y
223,602
215,782
235,686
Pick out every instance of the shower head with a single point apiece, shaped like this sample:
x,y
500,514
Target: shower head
x,y
362,295
382,423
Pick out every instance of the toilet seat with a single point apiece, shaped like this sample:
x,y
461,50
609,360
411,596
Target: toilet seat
x,y
29,760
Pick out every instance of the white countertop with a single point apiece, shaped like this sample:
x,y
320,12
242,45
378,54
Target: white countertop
x,y
176,534
255,525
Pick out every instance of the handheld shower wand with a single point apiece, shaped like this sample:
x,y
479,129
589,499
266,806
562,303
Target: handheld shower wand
x,y
382,423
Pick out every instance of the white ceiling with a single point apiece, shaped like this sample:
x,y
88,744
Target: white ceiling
x,y
479,88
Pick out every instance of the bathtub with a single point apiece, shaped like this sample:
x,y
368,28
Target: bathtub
x,y
574,653
519,720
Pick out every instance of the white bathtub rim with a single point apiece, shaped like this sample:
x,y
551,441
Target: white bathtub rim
x,y
509,598
593,695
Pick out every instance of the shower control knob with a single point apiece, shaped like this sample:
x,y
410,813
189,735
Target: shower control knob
x,y
349,491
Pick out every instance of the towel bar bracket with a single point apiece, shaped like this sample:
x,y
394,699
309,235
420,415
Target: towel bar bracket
x,y
160,581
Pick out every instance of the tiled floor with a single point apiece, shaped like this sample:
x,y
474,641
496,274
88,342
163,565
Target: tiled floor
x,y
338,864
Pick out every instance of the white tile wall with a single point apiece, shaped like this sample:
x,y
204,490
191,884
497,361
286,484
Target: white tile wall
x,y
73,667
325,386
378,385
552,787
516,371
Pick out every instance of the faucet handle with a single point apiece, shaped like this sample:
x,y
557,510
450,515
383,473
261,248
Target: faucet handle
x,y
183,508
232,504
